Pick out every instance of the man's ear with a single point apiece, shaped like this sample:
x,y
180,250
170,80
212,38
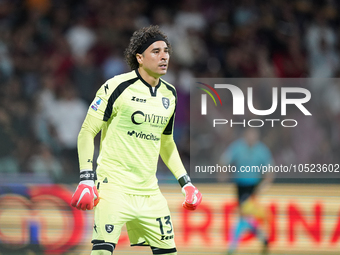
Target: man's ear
x,y
139,58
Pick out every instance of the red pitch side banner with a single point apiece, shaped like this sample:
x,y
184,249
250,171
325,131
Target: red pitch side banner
x,y
302,218
39,218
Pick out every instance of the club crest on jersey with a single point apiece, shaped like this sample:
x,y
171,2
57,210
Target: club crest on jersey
x,y
166,102
109,228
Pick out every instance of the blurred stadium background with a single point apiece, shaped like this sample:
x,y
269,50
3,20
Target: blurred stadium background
x,y
54,55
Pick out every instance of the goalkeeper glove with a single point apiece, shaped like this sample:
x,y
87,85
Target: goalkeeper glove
x,y
86,195
192,195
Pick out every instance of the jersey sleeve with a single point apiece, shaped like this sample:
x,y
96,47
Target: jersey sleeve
x,y
102,106
170,156
90,128
170,126
168,150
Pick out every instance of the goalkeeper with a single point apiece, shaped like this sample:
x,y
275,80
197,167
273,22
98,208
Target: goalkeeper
x,y
135,113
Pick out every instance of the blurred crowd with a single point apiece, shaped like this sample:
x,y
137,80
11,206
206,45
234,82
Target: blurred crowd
x,y
55,54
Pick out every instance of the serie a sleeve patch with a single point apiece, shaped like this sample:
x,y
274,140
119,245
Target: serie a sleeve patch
x,y
96,103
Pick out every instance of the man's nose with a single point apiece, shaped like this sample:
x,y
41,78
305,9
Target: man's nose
x,y
164,55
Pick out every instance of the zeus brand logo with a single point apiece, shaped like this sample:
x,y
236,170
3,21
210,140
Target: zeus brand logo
x,y
141,100
238,100
138,117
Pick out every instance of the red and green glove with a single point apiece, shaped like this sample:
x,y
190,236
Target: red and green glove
x,y
86,195
192,195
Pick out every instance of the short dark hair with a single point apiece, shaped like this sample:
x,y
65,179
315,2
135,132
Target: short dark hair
x,y
138,38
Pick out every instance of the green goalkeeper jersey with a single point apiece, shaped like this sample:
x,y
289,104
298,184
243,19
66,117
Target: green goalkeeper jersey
x,y
136,118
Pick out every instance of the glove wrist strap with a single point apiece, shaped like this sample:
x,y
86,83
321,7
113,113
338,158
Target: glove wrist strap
x,y
183,180
87,175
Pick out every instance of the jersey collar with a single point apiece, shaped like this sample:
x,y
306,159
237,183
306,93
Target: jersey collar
x,y
153,93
